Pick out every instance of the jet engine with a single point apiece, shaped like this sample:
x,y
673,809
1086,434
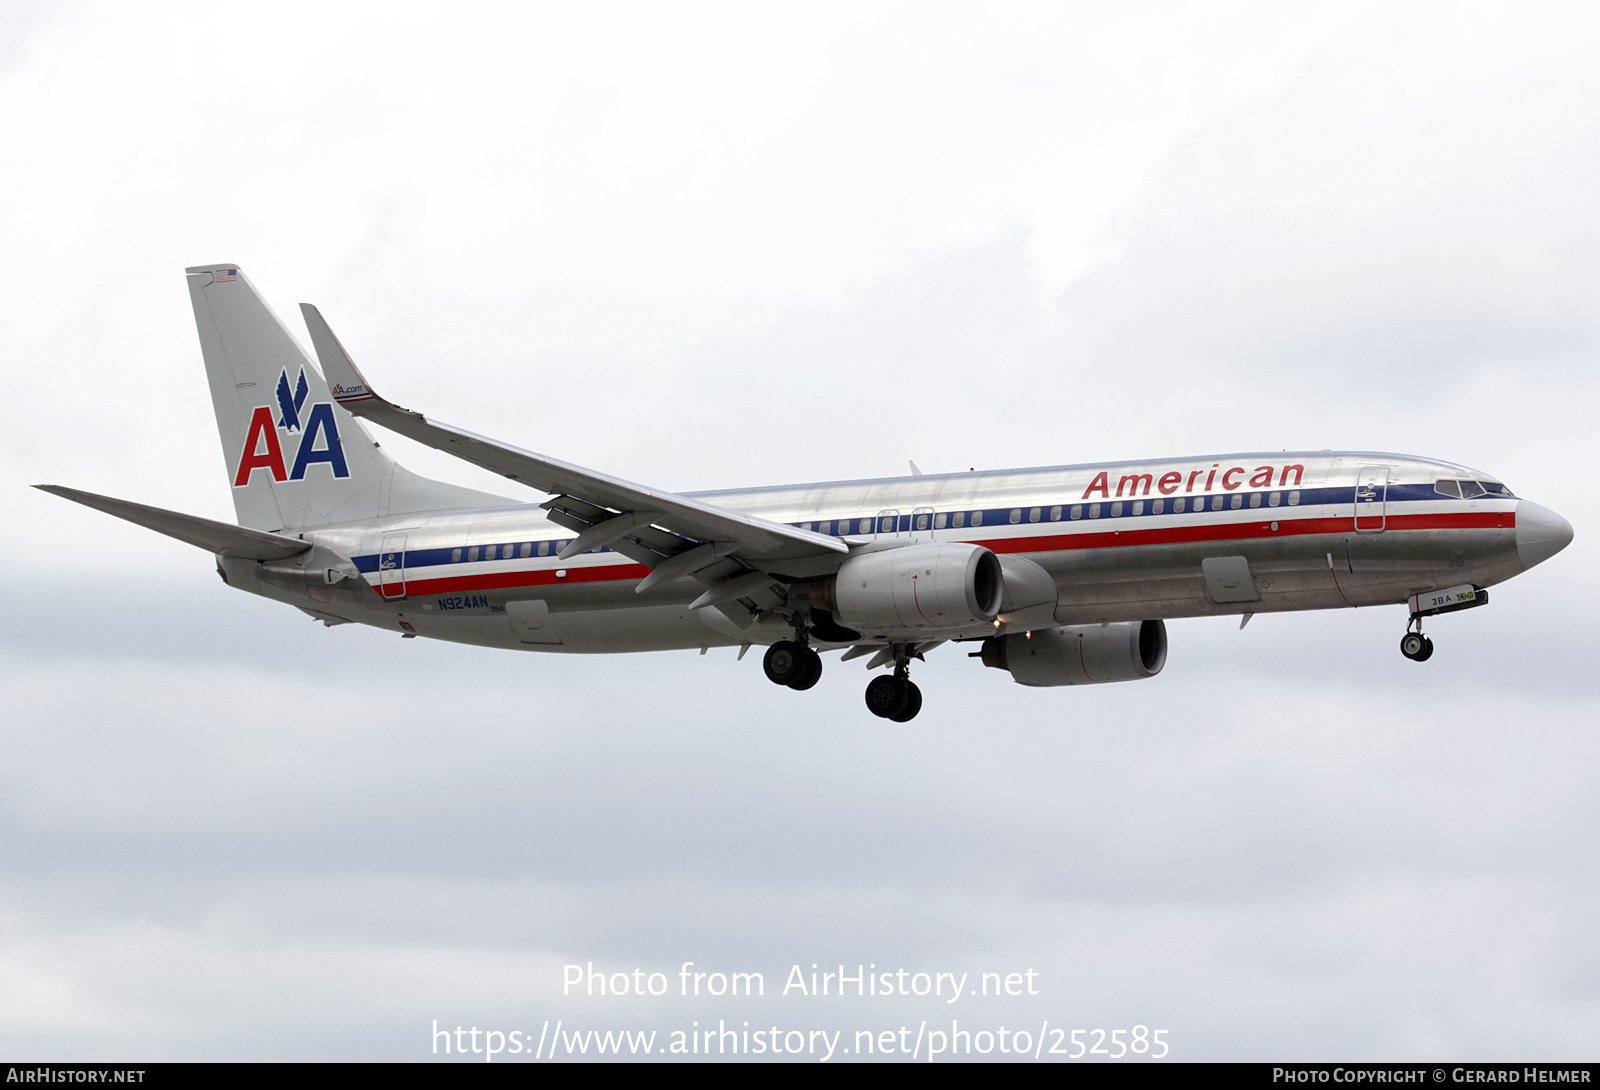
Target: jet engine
x,y
1082,654
915,589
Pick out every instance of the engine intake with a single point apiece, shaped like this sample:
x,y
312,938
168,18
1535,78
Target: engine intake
x,y
915,589
1084,654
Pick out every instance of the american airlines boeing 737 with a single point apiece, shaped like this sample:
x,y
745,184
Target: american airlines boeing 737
x,y
1059,576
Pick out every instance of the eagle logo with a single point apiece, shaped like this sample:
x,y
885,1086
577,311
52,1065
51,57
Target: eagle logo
x,y
289,405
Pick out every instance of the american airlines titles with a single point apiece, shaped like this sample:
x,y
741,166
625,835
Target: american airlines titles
x,y
1231,478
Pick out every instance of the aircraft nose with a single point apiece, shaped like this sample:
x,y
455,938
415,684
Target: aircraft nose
x,y
1541,533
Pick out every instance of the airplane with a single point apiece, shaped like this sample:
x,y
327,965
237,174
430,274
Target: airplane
x,y
1060,576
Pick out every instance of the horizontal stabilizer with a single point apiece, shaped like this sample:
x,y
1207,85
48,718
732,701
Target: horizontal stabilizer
x,y
214,537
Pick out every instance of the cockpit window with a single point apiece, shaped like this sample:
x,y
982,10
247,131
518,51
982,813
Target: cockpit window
x,y
1466,490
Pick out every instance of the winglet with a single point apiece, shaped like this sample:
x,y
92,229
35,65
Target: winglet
x,y
347,383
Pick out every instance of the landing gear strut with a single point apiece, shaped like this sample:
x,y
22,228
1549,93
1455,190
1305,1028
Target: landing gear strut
x,y
793,662
895,697
1414,645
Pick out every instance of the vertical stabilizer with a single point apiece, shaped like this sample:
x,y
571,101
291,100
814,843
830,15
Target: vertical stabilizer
x,y
295,457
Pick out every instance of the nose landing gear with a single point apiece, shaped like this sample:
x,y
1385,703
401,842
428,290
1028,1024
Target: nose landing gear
x,y
1416,647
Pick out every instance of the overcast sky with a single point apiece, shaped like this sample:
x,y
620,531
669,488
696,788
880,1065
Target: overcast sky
x,y
708,246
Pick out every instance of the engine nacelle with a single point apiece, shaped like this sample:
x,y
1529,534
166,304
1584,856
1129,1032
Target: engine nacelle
x,y
913,589
1081,654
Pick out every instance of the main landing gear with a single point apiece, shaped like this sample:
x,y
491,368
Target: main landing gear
x,y
796,664
792,664
895,697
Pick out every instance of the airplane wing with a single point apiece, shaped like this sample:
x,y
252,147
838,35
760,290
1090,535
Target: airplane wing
x,y
214,537
605,510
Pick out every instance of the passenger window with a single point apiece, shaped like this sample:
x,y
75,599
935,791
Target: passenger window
x,y
977,518
455,556
1179,504
1236,502
939,521
1274,499
1157,506
488,553
1216,503
1094,510
1076,512
544,548
472,553
1255,499
1016,515
1138,507
959,519
1116,509
886,524
1055,514
865,527
1294,498
1033,514
922,522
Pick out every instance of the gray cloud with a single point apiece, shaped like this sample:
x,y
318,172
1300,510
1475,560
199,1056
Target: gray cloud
x,y
227,832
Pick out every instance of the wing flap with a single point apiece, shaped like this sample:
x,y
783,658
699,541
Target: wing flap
x,y
214,537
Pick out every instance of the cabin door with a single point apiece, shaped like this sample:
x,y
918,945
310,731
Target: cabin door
x,y
392,566
1372,499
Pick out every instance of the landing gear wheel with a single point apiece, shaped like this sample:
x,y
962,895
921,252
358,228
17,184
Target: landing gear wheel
x,y
913,704
1416,647
786,663
813,671
888,697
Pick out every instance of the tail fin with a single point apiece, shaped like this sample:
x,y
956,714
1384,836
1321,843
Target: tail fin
x,y
295,458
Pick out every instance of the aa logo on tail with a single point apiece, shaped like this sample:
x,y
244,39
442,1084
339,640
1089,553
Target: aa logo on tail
x,y
263,449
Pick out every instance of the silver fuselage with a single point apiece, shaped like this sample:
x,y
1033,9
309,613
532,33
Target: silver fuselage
x,y
1122,541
